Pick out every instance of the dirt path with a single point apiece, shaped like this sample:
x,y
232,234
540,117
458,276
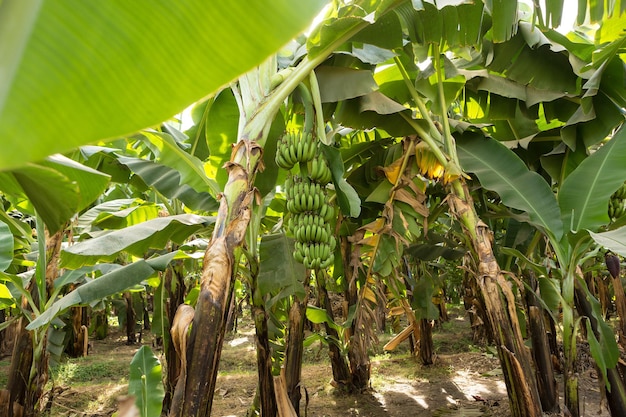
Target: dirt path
x,y
465,381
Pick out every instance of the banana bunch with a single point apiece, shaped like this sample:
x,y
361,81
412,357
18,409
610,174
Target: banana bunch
x,y
319,171
307,201
315,255
304,196
310,227
430,167
295,147
309,223
616,203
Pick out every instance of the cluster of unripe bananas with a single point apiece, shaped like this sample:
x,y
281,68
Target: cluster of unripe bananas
x,y
616,203
307,200
293,148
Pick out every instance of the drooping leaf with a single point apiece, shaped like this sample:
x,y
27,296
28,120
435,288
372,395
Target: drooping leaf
x,y
136,240
504,19
584,195
430,252
57,188
422,301
221,133
115,281
340,83
91,183
54,197
88,217
603,345
451,24
278,271
334,29
347,197
167,181
190,168
80,71
499,169
614,240
127,217
145,382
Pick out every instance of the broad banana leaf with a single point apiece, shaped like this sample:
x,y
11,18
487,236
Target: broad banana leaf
x,y
614,240
56,189
74,72
117,280
500,170
279,274
136,240
584,195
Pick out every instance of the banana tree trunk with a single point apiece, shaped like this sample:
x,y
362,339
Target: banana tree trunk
x,y
265,388
341,371
28,373
500,309
175,286
360,365
427,348
616,396
546,382
295,350
194,391
131,338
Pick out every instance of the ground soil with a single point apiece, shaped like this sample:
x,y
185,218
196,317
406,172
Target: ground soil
x,y
465,381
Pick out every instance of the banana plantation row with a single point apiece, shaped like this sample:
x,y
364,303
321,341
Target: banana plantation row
x,y
396,136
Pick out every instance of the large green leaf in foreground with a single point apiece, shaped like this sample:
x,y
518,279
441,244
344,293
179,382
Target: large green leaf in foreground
x,y
76,71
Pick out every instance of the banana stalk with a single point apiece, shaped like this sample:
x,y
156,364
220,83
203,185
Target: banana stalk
x,y
499,298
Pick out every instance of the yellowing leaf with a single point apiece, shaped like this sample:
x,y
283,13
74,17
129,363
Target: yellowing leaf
x,y
368,294
370,240
392,172
376,226
5,294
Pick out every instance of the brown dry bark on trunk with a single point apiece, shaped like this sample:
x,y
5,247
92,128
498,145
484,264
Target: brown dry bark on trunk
x,y
620,306
131,338
19,371
341,371
265,388
546,381
80,321
500,309
427,348
359,363
194,392
603,294
26,382
616,396
295,350
475,309
175,286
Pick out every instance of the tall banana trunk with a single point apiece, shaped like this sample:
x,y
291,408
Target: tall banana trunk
x,y
496,290
500,308
29,363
